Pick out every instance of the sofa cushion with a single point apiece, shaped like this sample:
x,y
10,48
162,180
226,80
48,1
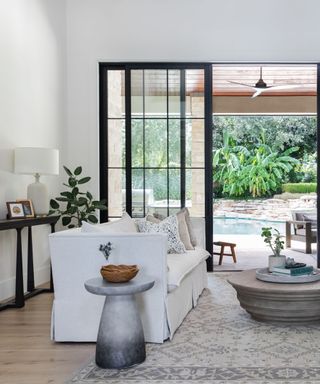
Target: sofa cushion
x,y
302,232
311,218
124,225
299,215
168,226
179,266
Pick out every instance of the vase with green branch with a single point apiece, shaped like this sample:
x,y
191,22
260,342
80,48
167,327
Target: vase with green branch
x,y
75,206
273,238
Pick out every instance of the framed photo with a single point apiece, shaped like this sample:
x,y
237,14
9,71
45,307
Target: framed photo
x,y
15,210
27,207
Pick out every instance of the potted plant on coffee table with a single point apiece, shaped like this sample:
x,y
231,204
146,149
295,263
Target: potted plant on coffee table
x,y
273,238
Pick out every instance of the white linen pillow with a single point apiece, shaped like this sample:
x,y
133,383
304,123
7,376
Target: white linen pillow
x,y
192,235
123,225
168,226
92,228
184,230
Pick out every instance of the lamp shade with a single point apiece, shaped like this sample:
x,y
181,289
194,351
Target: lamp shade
x,y
44,161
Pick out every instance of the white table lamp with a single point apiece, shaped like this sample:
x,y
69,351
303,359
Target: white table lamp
x,y
37,161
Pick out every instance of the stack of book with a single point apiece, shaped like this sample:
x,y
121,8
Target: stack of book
x,y
299,271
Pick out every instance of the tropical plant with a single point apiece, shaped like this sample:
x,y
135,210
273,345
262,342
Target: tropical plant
x,y
266,169
273,239
258,171
77,206
227,164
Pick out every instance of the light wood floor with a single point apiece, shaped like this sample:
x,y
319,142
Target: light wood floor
x,y
27,355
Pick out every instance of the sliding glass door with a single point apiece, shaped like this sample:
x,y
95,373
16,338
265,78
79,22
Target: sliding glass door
x,y
156,140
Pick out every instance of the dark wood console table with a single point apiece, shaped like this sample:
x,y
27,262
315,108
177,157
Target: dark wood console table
x,y
18,225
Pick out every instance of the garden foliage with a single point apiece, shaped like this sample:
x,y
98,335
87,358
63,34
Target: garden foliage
x,y
257,154
253,155
257,170
299,187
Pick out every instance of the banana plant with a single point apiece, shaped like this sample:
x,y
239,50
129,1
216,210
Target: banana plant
x,y
257,171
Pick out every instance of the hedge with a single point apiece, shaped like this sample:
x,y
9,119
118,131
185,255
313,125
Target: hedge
x,y
299,187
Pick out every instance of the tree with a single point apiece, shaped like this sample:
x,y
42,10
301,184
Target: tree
x,y
281,132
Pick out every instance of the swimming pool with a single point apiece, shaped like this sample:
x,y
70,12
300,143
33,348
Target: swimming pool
x,y
242,226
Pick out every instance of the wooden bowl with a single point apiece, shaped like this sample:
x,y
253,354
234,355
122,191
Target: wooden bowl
x,y
118,273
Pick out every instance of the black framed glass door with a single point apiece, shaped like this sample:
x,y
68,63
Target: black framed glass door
x,y
156,140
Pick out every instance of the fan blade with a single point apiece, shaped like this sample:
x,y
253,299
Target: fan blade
x,y
270,87
245,85
285,86
258,92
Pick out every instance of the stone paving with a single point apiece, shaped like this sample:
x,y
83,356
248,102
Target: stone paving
x,y
251,250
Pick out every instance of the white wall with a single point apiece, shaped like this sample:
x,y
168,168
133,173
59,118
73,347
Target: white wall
x,y
173,30
32,71
32,112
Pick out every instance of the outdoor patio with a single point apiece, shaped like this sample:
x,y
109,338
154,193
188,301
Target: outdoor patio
x,y
252,252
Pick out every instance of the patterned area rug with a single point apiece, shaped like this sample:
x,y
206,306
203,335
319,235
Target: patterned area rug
x,y
219,343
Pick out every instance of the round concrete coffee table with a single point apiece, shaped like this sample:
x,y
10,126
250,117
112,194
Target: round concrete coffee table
x,y
291,303
120,341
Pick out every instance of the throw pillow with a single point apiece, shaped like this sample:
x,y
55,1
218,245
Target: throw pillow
x,y
192,235
184,224
298,216
123,225
168,226
152,219
312,218
183,230
159,216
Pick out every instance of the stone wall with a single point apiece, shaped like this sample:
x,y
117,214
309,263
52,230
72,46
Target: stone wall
x,y
197,158
114,144
270,209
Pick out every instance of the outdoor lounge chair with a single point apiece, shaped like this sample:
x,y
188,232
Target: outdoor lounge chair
x,y
304,226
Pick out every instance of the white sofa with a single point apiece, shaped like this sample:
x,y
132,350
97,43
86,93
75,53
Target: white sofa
x,y
179,281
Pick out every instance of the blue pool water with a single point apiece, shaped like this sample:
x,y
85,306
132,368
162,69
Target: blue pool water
x,y
235,226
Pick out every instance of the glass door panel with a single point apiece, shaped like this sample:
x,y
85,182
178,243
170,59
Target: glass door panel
x,y
152,139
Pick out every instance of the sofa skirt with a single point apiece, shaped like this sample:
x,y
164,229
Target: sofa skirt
x,y
180,301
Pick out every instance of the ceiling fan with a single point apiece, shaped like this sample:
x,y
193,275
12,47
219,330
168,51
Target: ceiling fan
x,y
262,86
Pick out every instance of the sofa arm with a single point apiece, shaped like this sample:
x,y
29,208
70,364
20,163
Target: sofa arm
x,y
298,224
76,257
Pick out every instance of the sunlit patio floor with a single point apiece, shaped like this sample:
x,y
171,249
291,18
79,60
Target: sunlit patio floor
x,y
252,252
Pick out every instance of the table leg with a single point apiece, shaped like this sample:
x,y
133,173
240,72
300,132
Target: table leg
x,y
120,340
221,254
30,282
19,301
233,253
51,289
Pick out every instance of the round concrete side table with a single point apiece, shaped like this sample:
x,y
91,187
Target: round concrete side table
x,y
120,341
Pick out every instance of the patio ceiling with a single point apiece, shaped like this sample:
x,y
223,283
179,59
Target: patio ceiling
x,y
303,75
155,81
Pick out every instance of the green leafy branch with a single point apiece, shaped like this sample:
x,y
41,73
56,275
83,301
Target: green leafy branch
x,y
76,206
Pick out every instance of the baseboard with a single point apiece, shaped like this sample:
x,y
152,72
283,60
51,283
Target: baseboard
x,y
7,287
